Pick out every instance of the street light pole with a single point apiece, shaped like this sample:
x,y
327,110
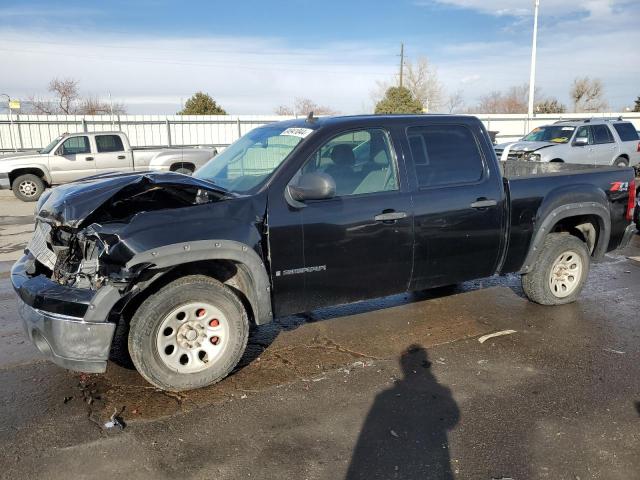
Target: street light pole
x,y
532,78
10,120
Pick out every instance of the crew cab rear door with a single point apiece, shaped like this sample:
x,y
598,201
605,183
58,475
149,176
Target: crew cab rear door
x,y
112,155
458,202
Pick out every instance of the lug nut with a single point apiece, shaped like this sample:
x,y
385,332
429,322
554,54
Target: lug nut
x,y
201,312
214,323
214,340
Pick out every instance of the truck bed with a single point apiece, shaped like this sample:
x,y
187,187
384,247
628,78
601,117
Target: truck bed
x,y
535,189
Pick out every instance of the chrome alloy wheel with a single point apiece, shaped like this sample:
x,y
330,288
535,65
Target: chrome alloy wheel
x,y
565,274
192,337
28,188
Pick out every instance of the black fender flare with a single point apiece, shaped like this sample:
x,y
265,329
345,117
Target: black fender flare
x,y
550,214
259,293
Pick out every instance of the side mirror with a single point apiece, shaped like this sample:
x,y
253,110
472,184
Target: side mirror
x,y
581,141
312,186
59,151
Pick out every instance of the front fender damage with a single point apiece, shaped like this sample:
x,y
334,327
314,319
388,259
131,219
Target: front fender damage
x,y
99,230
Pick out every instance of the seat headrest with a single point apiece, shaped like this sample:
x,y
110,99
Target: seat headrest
x,y
343,156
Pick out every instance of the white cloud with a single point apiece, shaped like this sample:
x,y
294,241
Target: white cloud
x,y
152,73
525,7
245,75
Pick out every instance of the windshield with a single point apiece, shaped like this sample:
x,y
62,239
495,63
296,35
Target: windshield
x,y
49,147
250,160
552,133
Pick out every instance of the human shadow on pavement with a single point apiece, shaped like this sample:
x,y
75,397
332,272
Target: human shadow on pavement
x,y
405,433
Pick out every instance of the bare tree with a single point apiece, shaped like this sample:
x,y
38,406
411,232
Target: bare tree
x,y
550,105
66,93
304,106
284,110
95,106
514,100
588,95
66,100
421,78
455,101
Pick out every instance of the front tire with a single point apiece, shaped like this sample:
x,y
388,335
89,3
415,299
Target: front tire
x,y
560,271
189,334
28,187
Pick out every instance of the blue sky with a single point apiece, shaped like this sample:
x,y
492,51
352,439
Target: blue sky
x,y
254,55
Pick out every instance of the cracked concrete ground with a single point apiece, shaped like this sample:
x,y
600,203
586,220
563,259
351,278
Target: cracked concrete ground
x,y
397,387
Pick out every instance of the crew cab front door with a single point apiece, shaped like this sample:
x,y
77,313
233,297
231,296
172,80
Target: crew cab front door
x,y
356,245
458,205
72,160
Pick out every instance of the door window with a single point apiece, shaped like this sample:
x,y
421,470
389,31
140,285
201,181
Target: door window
x,y
602,134
584,132
109,143
76,145
359,162
445,155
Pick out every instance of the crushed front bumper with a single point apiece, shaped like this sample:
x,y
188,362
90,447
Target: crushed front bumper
x,y
60,321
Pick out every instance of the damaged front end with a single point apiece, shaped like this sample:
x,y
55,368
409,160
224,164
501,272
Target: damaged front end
x,y
74,268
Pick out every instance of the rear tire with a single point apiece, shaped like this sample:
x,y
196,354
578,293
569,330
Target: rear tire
x,y
560,271
189,334
184,170
28,187
621,162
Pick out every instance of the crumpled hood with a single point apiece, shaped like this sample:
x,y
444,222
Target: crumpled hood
x,y
71,204
525,146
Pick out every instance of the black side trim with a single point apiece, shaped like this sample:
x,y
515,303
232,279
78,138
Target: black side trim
x,y
180,253
565,211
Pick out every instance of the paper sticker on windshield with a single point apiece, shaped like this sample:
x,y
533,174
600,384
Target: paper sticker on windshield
x,y
297,132
570,129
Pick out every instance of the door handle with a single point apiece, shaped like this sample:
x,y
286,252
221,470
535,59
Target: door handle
x,y
390,216
121,157
88,159
484,203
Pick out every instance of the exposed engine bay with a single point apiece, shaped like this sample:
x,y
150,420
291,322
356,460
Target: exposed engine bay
x,y
85,249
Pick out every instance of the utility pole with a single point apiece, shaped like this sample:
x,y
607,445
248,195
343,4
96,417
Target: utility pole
x,y
401,62
532,78
111,107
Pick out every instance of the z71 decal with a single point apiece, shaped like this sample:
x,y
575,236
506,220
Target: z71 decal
x,y
619,187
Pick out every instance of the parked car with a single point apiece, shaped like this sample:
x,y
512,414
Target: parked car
x,y
591,141
295,216
70,157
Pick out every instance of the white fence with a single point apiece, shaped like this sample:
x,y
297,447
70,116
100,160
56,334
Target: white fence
x,y
26,132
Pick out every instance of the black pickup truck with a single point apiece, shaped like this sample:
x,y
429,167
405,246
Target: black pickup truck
x,y
295,216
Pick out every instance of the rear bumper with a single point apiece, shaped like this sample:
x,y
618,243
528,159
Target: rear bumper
x,y
5,184
629,232
55,319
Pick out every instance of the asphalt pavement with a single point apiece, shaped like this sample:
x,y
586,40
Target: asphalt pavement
x,y
399,387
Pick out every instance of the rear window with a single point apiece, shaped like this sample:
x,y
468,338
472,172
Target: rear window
x,y
445,155
602,134
626,131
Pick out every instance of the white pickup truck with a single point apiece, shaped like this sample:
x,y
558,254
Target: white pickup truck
x,y
76,155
